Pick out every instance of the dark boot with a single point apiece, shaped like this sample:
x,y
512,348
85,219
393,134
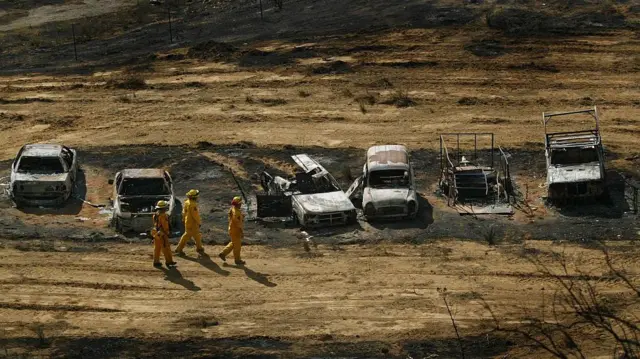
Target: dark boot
x,y
157,264
240,262
223,257
171,264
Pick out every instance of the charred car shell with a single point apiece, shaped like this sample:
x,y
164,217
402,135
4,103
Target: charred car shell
x,y
135,194
386,188
43,175
315,199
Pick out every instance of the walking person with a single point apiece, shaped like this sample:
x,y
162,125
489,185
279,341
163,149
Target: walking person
x,y
236,232
191,220
160,233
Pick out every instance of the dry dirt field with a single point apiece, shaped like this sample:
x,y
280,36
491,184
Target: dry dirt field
x,y
329,78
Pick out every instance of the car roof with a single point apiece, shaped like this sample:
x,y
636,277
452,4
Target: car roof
x,y
387,156
143,173
41,150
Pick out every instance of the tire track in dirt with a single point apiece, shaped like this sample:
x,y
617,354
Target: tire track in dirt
x,y
75,284
56,308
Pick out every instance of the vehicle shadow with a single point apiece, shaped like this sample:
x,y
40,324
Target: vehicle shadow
x,y
73,206
613,204
423,219
256,276
173,275
333,231
206,262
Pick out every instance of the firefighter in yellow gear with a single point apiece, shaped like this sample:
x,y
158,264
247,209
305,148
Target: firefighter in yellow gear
x,y
191,220
160,233
236,231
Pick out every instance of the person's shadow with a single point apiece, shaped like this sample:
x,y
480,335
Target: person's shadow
x,y
173,275
257,276
206,262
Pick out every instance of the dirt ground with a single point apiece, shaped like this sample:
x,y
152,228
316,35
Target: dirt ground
x,y
232,93
105,300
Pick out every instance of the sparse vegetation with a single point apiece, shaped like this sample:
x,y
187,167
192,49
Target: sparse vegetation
x,y
363,107
579,310
124,98
273,101
400,99
346,93
367,99
303,93
490,236
195,84
128,82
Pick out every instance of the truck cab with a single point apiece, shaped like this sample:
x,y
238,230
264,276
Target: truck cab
x,y
386,188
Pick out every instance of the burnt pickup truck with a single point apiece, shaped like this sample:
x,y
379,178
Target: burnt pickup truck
x,y
43,175
575,160
135,194
386,189
314,198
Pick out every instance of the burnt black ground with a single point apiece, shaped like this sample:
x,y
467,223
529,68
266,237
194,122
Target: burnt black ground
x,y
579,222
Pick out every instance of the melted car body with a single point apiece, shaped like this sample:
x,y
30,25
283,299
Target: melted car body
x,y
314,198
43,175
135,194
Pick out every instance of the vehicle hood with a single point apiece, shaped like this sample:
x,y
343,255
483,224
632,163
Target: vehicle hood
x,y
386,196
324,202
31,177
574,173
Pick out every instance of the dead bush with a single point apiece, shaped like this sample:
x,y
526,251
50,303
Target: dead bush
x,y
212,50
470,101
273,101
129,82
577,308
11,117
303,93
367,99
195,84
332,68
346,93
124,98
362,106
400,99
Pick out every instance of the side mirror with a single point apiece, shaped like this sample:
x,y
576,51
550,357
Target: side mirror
x,y
110,181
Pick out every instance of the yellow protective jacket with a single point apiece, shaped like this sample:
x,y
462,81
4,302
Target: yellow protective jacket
x,y
161,222
190,214
236,220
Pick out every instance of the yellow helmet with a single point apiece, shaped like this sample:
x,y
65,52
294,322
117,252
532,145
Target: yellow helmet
x,y
162,205
193,193
236,200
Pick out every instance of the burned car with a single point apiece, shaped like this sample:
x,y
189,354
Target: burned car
x,y
43,175
135,194
314,198
575,160
386,188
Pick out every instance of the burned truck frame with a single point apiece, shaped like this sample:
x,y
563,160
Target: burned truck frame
x,y
471,178
575,160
